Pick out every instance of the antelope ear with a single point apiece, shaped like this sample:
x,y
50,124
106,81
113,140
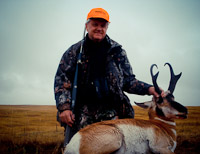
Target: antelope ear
x,y
145,105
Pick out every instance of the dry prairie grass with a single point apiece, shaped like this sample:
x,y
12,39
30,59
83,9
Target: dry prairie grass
x,y
34,129
27,129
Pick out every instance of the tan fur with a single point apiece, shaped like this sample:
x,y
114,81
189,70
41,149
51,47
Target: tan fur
x,y
164,126
100,139
106,137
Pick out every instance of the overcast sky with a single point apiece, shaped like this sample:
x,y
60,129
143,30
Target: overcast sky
x,y
35,33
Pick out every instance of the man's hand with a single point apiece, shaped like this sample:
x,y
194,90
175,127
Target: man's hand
x,y
155,94
67,117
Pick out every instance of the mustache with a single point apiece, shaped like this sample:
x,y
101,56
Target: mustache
x,y
99,31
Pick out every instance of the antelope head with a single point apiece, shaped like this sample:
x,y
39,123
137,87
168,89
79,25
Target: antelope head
x,y
165,107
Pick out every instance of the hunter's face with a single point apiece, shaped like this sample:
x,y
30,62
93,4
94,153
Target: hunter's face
x,y
97,29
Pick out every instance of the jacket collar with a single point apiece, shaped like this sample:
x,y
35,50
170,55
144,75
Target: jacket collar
x,y
112,43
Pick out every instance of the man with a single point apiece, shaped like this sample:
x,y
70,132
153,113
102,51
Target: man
x,y
104,75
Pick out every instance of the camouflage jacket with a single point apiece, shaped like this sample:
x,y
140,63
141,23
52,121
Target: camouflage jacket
x,y
119,76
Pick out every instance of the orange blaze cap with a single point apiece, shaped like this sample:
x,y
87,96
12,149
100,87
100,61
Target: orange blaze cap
x,y
98,13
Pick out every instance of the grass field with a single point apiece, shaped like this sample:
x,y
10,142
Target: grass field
x,y
34,130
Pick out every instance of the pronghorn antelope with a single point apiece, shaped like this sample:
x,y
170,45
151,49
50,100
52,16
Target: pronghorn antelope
x,y
127,136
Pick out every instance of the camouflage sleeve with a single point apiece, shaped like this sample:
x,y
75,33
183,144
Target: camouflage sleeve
x,y
131,84
63,81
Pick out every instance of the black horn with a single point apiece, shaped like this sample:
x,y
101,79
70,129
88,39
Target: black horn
x,y
154,79
173,80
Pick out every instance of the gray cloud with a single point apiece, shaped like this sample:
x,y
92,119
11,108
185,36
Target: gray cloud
x,y
35,34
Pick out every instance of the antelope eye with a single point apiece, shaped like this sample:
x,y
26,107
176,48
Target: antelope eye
x,y
160,100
